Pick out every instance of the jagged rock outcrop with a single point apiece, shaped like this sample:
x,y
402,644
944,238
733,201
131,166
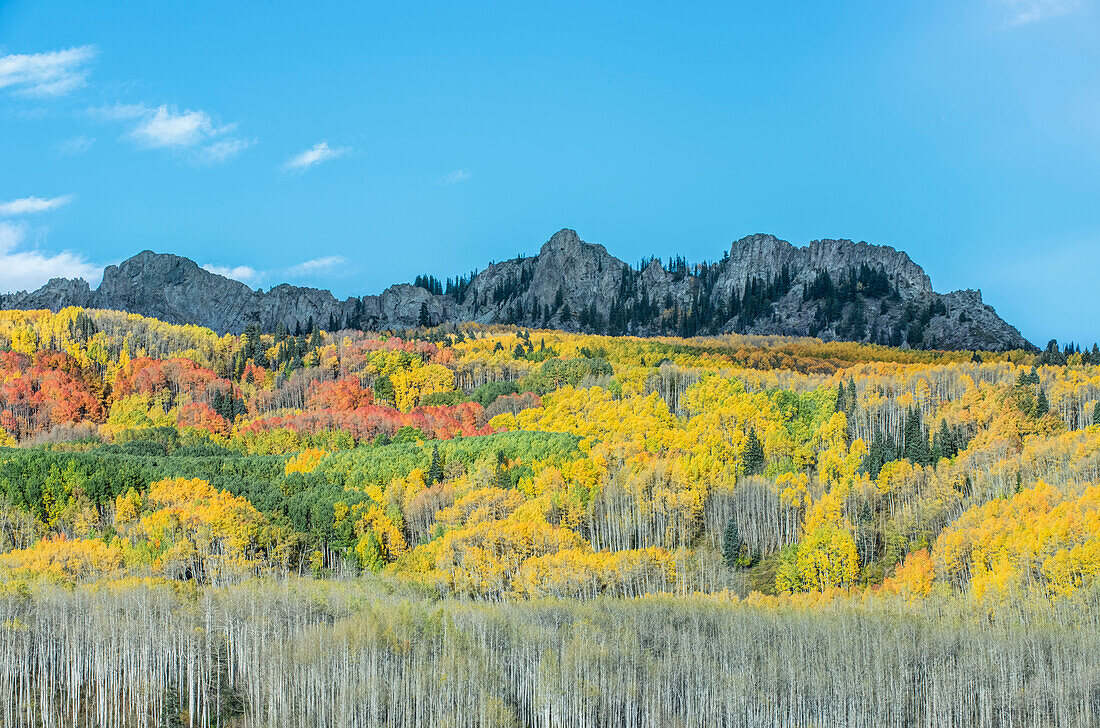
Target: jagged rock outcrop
x,y
834,289
55,295
175,289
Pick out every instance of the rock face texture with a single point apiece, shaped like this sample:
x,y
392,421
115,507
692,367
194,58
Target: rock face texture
x,y
177,290
833,289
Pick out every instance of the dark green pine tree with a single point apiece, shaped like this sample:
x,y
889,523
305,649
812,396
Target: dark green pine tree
x,y
841,399
916,445
253,347
435,470
943,443
1022,379
1042,404
731,545
424,319
875,458
753,454
1096,414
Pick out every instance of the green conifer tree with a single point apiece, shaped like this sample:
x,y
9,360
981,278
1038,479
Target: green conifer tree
x,y
753,454
435,470
1042,404
946,441
916,444
731,545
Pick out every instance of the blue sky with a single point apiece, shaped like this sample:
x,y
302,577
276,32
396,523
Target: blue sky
x,y
351,145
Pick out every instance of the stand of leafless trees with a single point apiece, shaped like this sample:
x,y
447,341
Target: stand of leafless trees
x,y
304,653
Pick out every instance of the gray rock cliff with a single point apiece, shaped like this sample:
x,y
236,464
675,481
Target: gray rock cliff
x,y
833,289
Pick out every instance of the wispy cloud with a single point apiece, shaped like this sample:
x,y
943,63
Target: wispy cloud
x,y
459,175
24,270
11,234
167,128
252,276
73,147
31,205
320,152
55,73
193,133
243,273
223,150
315,266
1025,12
119,112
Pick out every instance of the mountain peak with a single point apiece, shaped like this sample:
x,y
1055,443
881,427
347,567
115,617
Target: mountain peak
x,y
147,257
764,286
759,241
564,239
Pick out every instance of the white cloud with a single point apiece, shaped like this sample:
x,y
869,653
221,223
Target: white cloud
x,y
321,152
305,269
46,74
315,266
243,273
26,270
11,234
192,133
76,145
1025,12
248,274
223,150
166,128
119,112
459,175
30,270
31,205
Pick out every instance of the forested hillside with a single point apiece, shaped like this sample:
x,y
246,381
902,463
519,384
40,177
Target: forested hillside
x,y
497,526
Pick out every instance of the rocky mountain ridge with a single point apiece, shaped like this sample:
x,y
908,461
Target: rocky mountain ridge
x,y
834,289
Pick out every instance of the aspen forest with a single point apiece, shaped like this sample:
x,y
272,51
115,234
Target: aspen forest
x,y
495,526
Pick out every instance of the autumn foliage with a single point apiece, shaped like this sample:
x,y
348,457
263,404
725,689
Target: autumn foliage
x,y
495,462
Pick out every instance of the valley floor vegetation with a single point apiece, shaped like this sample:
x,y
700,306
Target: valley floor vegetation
x,y
494,526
